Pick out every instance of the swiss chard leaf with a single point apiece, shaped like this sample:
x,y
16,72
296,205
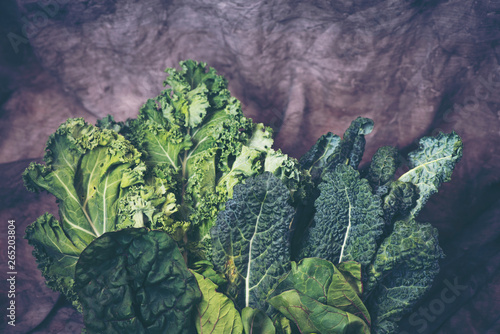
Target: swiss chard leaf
x,y
348,220
135,281
311,316
432,164
403,271
88,170
250,239
216,312
256,322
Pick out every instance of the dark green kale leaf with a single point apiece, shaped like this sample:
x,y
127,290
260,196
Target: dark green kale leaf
x,y
348,220
250,239
383,166
403,271
432,164
136,281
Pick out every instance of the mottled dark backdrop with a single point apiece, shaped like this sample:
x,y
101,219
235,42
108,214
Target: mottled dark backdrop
x,y
305,68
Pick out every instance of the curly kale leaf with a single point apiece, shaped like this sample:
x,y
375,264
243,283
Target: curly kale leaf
x,y
135,281
348,220
250,239
88,170
403,271
197,129
432,164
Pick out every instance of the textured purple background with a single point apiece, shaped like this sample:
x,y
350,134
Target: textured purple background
x,y
305,68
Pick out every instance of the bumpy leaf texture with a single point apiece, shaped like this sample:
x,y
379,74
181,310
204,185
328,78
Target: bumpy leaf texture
x,y
196,133
136,281
432,164
383,166
216,312
348,220
250,239
404,268
87,169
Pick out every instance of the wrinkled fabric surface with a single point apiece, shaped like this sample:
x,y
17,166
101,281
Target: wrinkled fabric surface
x,y
304,68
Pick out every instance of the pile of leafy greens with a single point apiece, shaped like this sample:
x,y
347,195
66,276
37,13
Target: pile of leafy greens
x,y
186,220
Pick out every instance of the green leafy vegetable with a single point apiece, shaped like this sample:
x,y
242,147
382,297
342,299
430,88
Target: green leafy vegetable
x,y
311,316
250,239
88,170
403,271
256,322
216,312
384,164
432,164
348,220
135,281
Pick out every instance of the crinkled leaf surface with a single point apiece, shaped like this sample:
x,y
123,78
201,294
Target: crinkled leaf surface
x,y
432,164
87,169
250,239
348,219
311,316
216,312
404,268
315,160
197,129
256,322
383,166
136,281
402,197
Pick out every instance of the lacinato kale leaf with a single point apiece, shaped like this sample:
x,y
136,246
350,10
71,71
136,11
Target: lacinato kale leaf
x,y
348,220
432,164
403,271
250,239
136,281
88,170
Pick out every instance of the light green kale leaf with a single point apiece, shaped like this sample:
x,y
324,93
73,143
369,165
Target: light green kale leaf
x,y
432,164
403,271
348,220
250,239
136,281
216,312
88,170
197,129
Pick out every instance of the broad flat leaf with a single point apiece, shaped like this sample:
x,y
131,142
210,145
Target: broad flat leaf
x,y
311,276
432,164
311,316
348,220
403,271
250,239
351,271
87,169
342,295
216,312
256,322
135,281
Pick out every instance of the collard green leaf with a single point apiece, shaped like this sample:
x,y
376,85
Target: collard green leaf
x,y
256,322
135,281
403,271
88,170
216,312
348,220
432,164
311,316
322,281
250,239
